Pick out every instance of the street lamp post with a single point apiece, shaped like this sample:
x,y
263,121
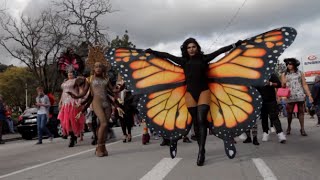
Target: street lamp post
x,y
26,95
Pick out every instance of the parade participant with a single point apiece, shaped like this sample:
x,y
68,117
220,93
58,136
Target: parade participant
x,y
181,90
294,79
69,108
270,108
101,93
101,103
130,109
197,96
145,133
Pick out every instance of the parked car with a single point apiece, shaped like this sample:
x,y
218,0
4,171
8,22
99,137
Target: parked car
x,y
27,125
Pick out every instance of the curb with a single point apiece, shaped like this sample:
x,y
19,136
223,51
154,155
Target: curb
x,y
12,139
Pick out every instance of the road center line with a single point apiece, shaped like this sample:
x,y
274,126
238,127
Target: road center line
x,y
56,160
264,170
160,170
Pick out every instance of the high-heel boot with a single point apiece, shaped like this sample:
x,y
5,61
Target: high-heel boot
x,y
73,139
101,150
203,125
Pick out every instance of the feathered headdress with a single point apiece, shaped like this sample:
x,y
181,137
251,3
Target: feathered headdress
x,y
97,54
70,62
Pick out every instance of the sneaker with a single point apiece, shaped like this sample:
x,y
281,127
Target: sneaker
x,y
265,137
273,130
243,136
282,138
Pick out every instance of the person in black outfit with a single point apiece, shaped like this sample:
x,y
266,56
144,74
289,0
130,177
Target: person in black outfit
x,y
316,97
270,108
127,120
195,66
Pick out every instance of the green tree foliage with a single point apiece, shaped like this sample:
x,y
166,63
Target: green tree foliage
x,y
124,41
13,83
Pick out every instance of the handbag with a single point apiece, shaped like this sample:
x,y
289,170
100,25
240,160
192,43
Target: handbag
x,y
283,92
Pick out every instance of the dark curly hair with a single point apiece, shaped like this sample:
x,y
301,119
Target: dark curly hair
x,y
294,62
184,48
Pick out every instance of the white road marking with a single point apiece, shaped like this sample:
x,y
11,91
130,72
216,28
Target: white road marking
x,y
264,170
56,160
160,170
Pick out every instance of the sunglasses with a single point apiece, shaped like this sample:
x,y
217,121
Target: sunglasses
x,y
290,63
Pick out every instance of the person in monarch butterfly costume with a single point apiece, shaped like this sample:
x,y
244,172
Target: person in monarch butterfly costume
x,y
197,96
179,90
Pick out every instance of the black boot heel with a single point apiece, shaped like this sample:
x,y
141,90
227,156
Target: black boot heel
x,y
73,140
255,141
201,158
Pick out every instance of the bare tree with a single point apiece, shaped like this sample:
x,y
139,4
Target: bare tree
x,y
36,42
3,6
82,15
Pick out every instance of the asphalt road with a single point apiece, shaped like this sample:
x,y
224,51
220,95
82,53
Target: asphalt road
x,y
298,159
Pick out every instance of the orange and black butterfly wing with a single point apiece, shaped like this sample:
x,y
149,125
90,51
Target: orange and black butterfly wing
x,y
233,110
161,85
253,62
235,103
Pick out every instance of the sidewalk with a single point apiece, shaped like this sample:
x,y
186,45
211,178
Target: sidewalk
x,y
11,137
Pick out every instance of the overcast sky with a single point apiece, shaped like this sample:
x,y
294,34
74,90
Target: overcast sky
x,y
165,24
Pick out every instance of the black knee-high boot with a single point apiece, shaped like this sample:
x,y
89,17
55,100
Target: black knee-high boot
x,y
203,125
73,139
194,111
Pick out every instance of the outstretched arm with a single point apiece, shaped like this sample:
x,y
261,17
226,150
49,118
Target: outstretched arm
x,y
165,55
213,55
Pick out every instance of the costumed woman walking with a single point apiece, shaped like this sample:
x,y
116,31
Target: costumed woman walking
x,y
195,65
174,95
101,94
101,90
69,108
